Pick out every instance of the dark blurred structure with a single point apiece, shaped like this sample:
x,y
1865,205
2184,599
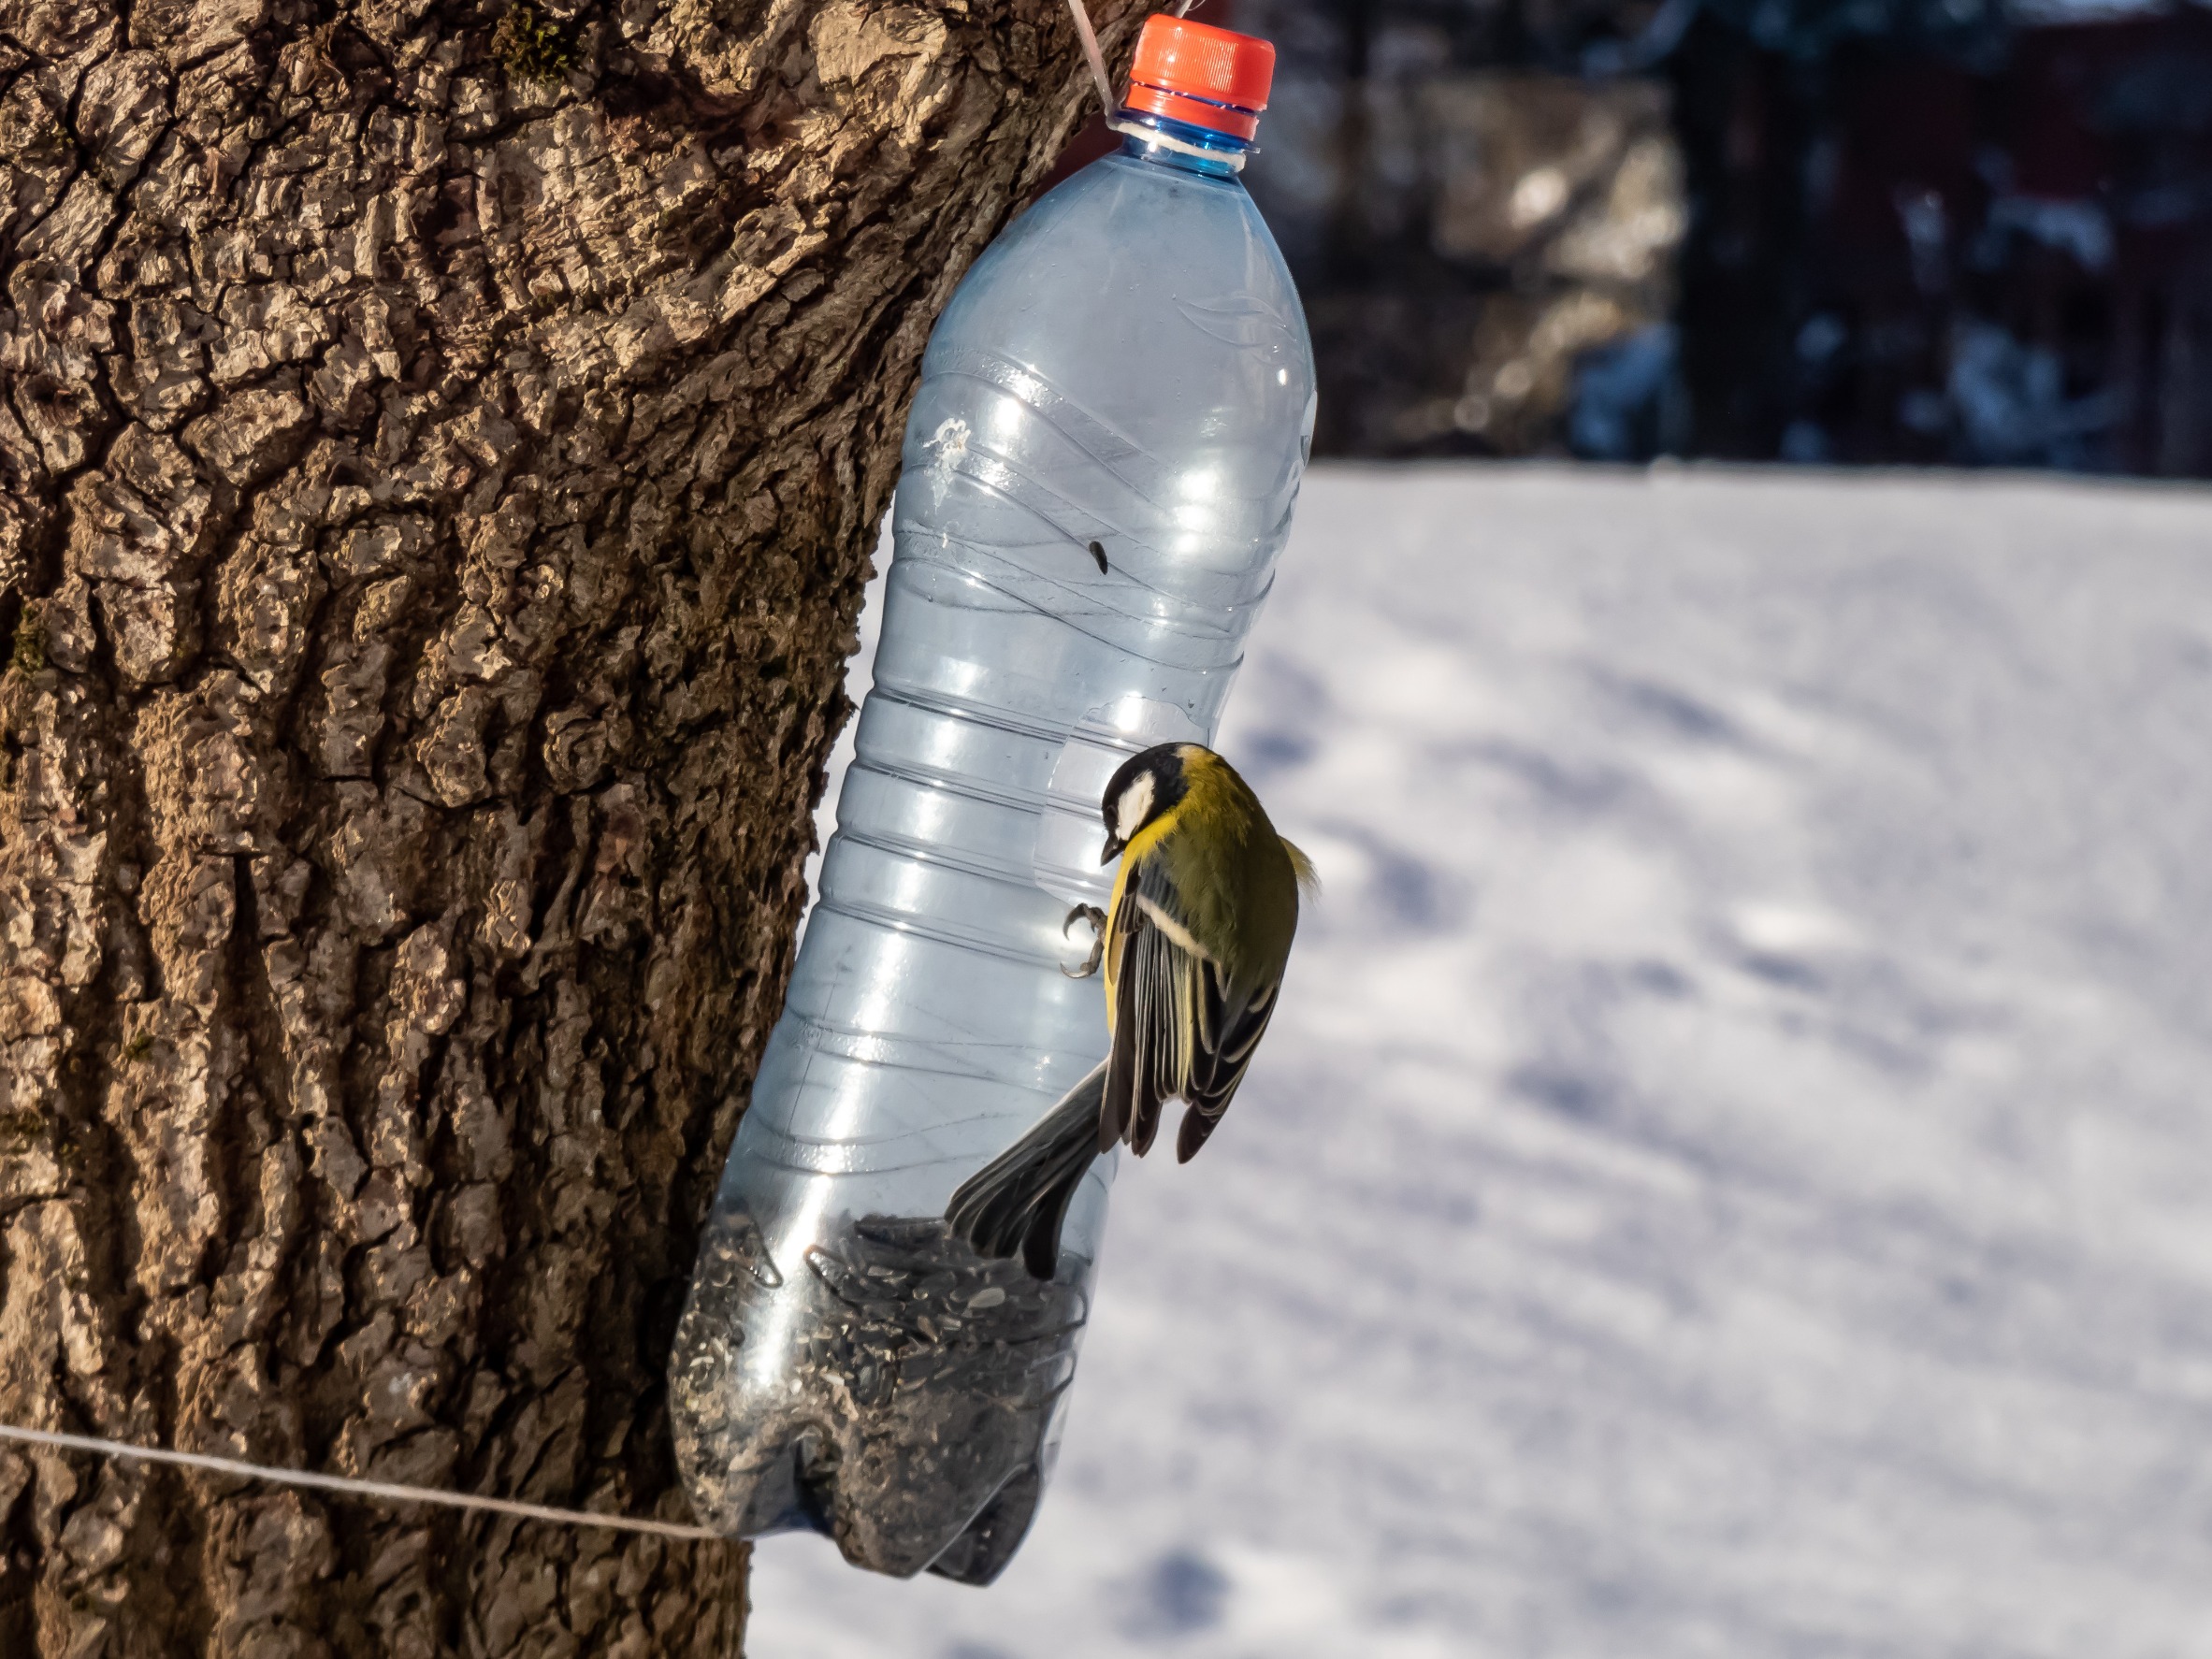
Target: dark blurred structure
x,y
1860,231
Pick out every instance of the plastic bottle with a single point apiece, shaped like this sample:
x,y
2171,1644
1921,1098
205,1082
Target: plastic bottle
x,y
1099,465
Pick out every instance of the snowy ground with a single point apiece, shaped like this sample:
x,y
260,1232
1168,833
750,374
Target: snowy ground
x,y
1732,1173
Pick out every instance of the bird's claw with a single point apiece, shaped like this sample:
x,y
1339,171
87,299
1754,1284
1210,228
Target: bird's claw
x,y
1096,917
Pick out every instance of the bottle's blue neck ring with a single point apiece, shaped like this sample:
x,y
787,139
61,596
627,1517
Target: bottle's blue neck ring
x,y
1181,143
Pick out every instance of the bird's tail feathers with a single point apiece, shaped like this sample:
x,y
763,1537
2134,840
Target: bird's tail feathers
x,y
1017,1201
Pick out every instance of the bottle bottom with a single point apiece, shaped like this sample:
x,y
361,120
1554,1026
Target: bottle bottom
x,y
899,1394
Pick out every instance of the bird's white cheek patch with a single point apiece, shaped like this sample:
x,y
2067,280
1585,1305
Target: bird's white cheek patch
x,y
1136,804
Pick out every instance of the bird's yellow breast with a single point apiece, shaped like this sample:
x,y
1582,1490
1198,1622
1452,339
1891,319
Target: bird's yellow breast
x,y
1144,843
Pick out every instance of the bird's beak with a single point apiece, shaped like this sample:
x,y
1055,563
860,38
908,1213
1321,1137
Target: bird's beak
x,y
1114,845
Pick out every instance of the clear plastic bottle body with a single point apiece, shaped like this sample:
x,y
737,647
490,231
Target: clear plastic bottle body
x,y
1123,381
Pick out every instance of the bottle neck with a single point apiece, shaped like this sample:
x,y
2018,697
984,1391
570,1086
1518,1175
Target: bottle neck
x,y
1220,155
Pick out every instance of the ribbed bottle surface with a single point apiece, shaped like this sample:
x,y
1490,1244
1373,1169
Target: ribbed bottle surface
x,y
1125,375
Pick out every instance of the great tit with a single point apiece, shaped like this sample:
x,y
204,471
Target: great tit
x,y
1193,941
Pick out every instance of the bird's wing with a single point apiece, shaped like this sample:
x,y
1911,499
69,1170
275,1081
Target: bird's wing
x,y
1181,1030
1233,1029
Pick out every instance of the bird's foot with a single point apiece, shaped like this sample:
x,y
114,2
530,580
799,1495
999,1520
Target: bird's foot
x,y
1097,918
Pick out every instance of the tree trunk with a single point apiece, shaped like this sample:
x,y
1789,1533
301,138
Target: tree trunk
x,y
441,451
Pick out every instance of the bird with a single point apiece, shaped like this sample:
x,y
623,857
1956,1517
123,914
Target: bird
x,y
1193,940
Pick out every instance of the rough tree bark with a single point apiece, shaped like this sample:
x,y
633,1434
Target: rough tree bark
x,y
442,448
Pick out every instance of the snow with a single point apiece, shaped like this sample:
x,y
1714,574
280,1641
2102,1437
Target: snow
x,y
1732,1173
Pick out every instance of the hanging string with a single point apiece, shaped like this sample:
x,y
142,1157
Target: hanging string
x,y
382,1490
1110,105
1095,58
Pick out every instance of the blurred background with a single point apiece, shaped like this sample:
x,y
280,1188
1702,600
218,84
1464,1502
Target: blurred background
x,y
1866,232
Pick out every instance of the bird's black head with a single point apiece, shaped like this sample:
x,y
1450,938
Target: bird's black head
x,y
1145,787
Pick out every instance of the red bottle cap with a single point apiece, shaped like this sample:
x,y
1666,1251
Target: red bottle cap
x,y
1196,73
